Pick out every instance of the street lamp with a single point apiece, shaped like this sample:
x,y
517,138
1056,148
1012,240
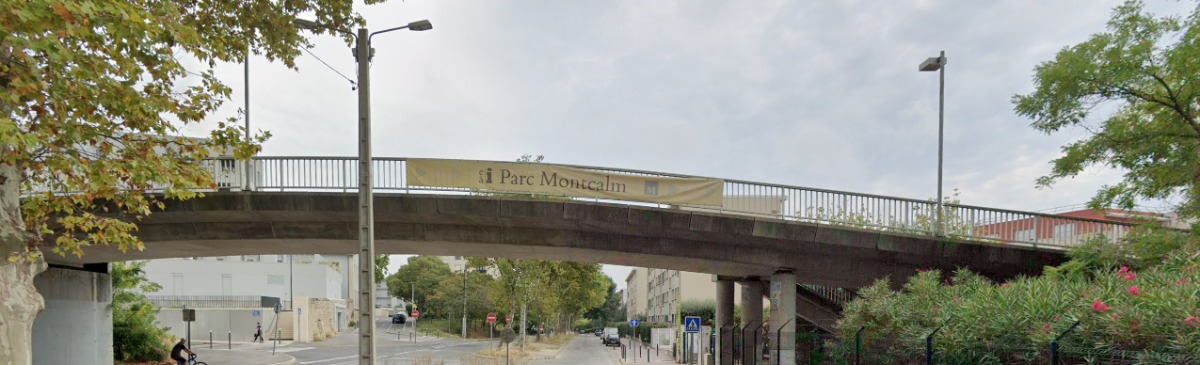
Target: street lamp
x,y
366,218
938,64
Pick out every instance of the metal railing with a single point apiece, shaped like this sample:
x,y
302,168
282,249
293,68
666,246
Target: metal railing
x,y
792,203
212,301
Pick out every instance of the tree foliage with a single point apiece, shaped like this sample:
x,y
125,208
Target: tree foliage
x,y
450,293
136,334
381,264
94,95
425,273
1143,75
613,308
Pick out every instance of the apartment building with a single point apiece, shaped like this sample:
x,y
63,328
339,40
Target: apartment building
x,y
656,294
635,294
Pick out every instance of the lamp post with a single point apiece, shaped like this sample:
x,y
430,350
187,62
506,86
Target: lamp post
x,y
938,64
366,219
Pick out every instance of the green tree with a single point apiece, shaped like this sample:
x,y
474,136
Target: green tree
x,y
136,334
612,309
381,264
92,98
1145,67
425,272
449,295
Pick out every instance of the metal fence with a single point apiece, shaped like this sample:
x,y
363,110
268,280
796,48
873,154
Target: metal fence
x,y
792,203
927,348
216,301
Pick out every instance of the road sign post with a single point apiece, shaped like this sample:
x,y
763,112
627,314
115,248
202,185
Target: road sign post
x,y
491,320
691,327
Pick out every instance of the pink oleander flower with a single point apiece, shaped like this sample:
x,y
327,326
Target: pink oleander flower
x,y
1130,276
1004,286
1181,282
1056,318
1191,321
1124,269
1134,290
1046,327
1116,316
1099,306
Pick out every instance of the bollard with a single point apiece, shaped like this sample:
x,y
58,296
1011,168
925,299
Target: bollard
x,y
210,339
229,339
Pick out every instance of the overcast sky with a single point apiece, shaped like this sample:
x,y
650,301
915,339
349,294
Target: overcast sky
x,y
822,94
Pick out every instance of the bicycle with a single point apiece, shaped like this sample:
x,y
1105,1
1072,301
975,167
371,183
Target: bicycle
x,y
190,361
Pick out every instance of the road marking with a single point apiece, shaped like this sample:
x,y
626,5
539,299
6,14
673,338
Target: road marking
x,y
292,349
330,359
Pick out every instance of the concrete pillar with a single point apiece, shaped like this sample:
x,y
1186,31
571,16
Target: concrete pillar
x,y
783,317
724,325
78,316
752,321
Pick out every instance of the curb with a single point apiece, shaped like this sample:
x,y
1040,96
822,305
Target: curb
x,y
291,360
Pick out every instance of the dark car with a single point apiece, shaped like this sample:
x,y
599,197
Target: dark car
x,y
612,340
398,318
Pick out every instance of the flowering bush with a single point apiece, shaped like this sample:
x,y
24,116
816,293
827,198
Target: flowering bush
x,y
1151,310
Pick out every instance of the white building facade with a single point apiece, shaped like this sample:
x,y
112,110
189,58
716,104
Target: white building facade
x,y
227,292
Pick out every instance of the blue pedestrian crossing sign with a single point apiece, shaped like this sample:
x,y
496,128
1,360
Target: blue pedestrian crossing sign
x,y
633,323
691,324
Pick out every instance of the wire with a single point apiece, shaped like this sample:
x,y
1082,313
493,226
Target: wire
x,y
352,83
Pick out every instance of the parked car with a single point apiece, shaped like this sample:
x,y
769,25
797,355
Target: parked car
x,y
599,331
398,318
612,340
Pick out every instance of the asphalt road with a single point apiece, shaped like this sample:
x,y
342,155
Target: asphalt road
x,y
343,350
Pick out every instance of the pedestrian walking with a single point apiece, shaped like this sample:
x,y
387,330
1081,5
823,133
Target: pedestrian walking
x,y
258,337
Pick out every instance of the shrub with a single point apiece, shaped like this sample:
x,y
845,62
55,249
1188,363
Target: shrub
x,y
1150,310
136,335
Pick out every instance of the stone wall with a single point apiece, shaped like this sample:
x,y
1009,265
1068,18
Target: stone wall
x,y
316,318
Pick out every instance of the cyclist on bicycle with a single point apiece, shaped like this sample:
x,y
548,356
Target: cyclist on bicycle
x,y
176,352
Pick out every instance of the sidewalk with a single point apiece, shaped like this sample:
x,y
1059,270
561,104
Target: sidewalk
x,y
647,355
243,353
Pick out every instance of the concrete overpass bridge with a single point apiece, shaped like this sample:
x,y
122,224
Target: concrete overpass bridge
x,y
757,235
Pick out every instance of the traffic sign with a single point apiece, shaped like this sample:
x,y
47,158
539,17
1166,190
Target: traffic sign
x,y
491,318
416,314
691,324
633,323
255,313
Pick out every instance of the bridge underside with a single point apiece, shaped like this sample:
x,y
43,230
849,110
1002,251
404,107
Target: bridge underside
x,y
225,224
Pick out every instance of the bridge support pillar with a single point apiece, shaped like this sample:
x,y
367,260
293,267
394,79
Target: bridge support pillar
x,y
752,321
78,316
783,317
724,325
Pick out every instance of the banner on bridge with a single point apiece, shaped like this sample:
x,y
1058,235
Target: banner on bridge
x,y
538,178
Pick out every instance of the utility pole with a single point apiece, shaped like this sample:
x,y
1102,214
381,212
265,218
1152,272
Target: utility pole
x,y
366,215
464,321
